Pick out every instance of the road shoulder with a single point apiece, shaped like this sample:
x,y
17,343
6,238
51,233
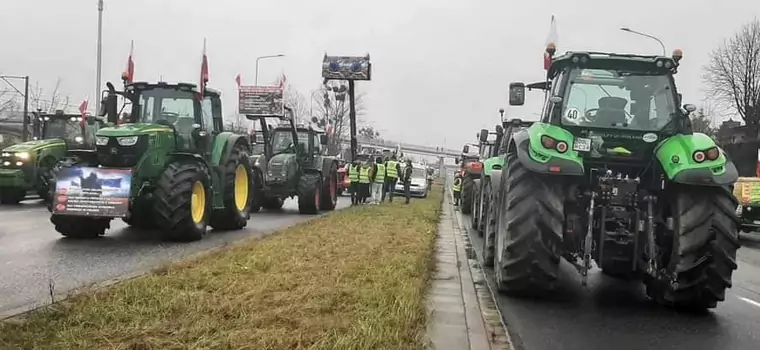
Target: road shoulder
x,y
463,313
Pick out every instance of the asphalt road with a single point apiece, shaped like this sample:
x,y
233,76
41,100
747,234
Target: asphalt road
x,y
34,257
613,314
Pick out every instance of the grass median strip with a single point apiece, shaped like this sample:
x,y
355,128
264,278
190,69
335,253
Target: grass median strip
x,y
355,279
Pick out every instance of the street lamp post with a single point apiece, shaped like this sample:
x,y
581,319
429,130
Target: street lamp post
x,y
256,77
100,56
629,30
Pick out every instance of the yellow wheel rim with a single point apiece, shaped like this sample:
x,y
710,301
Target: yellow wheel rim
x,y
241,187
198,203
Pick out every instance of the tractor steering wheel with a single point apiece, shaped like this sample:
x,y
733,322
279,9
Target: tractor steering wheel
x,y
590,114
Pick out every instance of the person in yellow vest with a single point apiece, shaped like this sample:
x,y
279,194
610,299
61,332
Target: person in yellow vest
x,y
378,183
392,171
456,188
364,181
353,178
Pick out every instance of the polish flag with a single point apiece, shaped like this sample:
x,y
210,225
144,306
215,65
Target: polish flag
x,y
83,110
130,72
283,79
204,72
238,80
552,38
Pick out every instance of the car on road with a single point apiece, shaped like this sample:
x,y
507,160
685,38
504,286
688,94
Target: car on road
x,y
419,184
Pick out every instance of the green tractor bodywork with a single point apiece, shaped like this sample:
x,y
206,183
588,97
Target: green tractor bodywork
x,y
485,162
614,173
27,167
288,169
187,173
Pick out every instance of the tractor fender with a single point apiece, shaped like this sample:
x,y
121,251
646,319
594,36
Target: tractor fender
x,y
521,143
675,156
174,156
231,142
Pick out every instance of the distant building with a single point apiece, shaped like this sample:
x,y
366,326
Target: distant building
x,y
731,131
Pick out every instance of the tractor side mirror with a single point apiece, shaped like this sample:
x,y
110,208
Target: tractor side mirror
x,y
111,106
201,137
92,121
483,137
456,160
516,94
323,139
690,108
499,130
466,149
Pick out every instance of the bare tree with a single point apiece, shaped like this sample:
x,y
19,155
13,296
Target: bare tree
x,y
298,103
369,132
733,73
332,108
237,123
703,121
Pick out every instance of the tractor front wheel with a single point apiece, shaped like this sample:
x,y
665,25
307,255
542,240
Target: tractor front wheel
x,y
529,230
309,190
183,201
238,192
79,226
468,183
329,199
699,253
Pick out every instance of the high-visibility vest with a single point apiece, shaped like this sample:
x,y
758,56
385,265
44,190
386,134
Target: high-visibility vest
x,y
364,175
457,185
390,168
380,176
353,173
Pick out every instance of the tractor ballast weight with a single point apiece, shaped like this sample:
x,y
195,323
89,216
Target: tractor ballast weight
x,y
614,173
293,165
180,171
27,167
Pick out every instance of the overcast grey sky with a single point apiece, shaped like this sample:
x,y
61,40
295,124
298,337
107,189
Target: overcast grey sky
x,y
441,68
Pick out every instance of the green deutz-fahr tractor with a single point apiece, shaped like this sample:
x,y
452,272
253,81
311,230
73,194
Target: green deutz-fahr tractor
x,y
486,147
187,172
28,166
288,169
614,173
470,167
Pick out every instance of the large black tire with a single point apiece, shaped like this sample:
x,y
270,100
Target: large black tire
x,y
45,176
141,217
174,196
80,226
701,249
12,196
309,189
273,203
467,186
258,191
529,230
475,206
489,222
329,198
237,171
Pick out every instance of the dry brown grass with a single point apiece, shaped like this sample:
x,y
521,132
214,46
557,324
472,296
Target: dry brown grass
x,y
355,279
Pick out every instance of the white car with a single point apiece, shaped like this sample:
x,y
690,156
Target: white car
x,y
418,186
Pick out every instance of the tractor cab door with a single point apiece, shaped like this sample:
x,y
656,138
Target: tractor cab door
x,y
210,122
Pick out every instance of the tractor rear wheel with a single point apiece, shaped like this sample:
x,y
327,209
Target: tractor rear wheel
x,y
183,201
474,211
12,196
79,226
309,190
529,230
468,183
489,225
238,192
329,199
140,217
700,251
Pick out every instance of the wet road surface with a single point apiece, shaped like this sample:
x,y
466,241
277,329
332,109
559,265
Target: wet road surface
x,y
613,314
34,258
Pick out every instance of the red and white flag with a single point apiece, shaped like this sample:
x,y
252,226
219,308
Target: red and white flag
x,y
204,72
552,38
283,79
130,72
83,110
238,80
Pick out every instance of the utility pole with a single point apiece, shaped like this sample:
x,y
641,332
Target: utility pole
x,y
629,30
25,133
100,57
256,77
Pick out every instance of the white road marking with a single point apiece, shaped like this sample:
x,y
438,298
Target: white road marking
x,y
750,301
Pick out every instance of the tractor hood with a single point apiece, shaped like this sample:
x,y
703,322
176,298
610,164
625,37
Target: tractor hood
x,y
30,146
133,130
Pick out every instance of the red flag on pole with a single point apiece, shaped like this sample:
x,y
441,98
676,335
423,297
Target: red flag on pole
x,y
283,79
129,74
237,80
204,71
552,39
83,110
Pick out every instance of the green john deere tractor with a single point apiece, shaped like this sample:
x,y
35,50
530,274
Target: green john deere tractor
x,y
470,167
27,167
289,169
178,170
614,173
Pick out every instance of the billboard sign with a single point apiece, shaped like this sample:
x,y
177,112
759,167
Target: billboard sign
x,y
261,101
92,192
346,68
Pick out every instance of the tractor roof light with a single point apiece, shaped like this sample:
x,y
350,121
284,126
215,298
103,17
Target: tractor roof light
x,y
580,58
677,55
125,76
665,62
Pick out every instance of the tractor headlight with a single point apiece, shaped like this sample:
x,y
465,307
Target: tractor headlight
x,y
101,140
79,139
6,163
127,141
23,155
6,154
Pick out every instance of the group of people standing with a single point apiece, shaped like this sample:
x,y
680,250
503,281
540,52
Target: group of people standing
x,y
372,181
